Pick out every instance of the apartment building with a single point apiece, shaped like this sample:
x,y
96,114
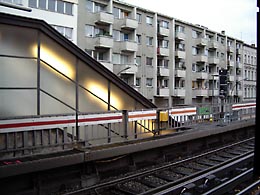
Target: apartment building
x,y
167,60
250,72
62,15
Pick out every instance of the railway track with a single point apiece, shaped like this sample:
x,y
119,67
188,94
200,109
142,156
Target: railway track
x,y
196,175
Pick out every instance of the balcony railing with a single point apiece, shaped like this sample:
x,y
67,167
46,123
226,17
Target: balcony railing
x,y
163,51
179,92
201,42
129,24
180,54
104,18
200,92
104,41
213,60
163,92
162,71
202,58
163,31
180,36
180,73
213,45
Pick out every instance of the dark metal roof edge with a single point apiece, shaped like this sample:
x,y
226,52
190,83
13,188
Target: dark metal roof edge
x,y
71,47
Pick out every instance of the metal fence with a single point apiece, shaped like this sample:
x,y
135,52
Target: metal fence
x,y
45,134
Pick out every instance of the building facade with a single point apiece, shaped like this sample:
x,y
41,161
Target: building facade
x,y
167,60
62,15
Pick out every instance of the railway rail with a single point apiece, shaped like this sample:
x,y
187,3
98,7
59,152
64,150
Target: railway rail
x,y
195,175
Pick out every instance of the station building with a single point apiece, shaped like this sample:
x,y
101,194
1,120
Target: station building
x,y
167,60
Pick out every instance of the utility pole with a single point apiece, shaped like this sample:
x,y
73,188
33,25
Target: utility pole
x,y
257,122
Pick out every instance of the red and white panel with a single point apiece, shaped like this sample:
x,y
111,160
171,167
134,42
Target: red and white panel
x,y
243,106
183,111
94,119
36,123
141,115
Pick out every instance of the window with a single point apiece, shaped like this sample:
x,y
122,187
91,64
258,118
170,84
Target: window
x,y
138,60
149,61
116,58
89,6
164,24
138,39
60,6
194,51
149,20
149,82
180,47
139,18
126,37
51,5
179,28
138,82
116,12
116,35
33,3
65,31
193,67
17,2
165,43
99,7
99,55
68,9
149,41
222,40
195,34
89,31
42,4
125,59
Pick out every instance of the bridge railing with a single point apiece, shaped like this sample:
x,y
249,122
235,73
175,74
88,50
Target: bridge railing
x,y
45,134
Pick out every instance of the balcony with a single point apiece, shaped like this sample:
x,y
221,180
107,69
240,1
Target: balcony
x,y
129,24
180,54
201,75
230,49
180,36
165,32
213,45
163,92
104,41
214,92
129,46
164,72
213,60
230,63
202,58
104,18
180,73
200,92
202,42
163,51
179,92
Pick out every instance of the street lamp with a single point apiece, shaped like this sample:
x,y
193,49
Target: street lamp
x,y
126,68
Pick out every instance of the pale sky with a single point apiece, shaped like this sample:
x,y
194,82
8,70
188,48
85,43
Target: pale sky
x,y
236,17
